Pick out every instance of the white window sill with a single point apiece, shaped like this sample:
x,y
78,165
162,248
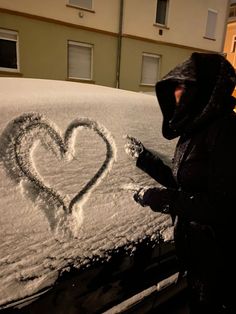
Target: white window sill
x,y
80,80
5,71
147,85
209,38
161,26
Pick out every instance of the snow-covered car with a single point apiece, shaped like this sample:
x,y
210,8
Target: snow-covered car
x,y
71,235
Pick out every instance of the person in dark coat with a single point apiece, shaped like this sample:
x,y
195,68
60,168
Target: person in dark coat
x,y
199,189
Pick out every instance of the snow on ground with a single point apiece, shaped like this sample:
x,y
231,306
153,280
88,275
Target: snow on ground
x,y
63,170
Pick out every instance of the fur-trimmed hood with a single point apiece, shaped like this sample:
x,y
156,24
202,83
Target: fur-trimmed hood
x,y
210,80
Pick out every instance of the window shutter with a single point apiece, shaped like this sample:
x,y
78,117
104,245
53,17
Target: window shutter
x,y
10,35
150,69
211,24
80,59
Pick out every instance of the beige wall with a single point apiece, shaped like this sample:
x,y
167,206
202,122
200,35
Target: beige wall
x,y
106,16
43,43
43,52
186,22
43,49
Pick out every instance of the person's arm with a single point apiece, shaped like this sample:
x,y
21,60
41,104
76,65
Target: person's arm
x,y
217,204
150,163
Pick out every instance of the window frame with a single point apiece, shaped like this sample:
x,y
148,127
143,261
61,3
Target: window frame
x,y
206,35
233,45
15,33
232,9
81,7
80,44
156,56
166,14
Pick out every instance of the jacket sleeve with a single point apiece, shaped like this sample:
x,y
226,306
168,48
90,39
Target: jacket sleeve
x,y
150,163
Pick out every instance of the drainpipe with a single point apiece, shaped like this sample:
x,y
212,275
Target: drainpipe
x,y
119,44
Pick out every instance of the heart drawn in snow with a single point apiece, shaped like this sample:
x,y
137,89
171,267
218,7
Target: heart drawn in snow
x,y
18,141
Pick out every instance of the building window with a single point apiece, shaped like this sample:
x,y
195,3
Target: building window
x,y
211,24
150,69
9,60
232,11
233,49
80,57
83,4
161,12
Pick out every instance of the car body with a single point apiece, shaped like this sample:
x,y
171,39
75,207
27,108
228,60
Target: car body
x,y
71,233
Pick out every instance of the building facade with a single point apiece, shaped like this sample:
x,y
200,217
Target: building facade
x,y
128,44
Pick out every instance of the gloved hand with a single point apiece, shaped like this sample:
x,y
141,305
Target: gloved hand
x,y
138,192
160,199
133,147
141,196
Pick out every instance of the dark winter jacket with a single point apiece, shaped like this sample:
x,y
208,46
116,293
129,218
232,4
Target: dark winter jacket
x,y
201,185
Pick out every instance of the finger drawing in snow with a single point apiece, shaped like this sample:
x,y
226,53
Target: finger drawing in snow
x,y
17,144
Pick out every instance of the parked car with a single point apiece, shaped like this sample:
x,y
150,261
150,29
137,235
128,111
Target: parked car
x,y
72,238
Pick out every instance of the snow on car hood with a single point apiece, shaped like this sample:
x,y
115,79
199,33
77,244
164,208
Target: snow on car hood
x,y
63,170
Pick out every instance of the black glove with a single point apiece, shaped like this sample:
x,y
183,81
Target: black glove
x,y
140,196
159,199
